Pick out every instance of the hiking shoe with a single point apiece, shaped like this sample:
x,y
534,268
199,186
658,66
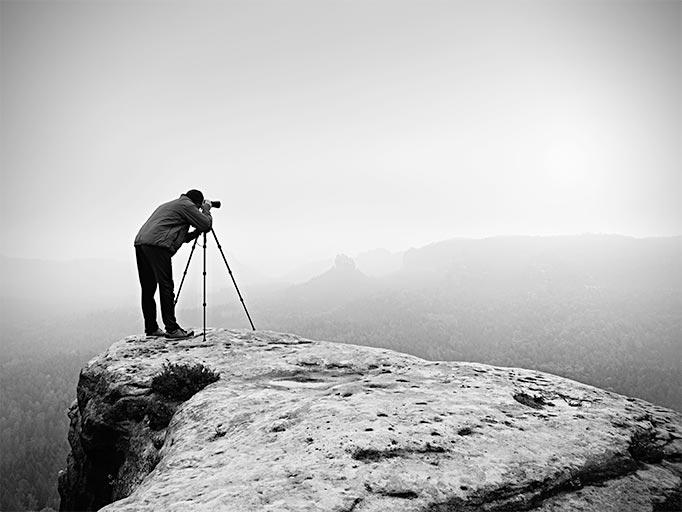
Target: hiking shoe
x,y
156,334
179,334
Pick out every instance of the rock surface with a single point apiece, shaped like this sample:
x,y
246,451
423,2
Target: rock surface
x,y
300,425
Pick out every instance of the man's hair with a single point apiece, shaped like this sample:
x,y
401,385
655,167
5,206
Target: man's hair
x,y
196,196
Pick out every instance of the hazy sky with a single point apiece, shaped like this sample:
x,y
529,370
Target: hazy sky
x,y
330,126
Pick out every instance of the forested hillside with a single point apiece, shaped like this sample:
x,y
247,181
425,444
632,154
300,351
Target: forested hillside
x,y
39,368
36,394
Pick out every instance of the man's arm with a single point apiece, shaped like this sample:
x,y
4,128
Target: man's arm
x,y
201,220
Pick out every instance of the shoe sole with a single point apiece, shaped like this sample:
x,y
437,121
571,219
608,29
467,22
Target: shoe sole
x,y
189,335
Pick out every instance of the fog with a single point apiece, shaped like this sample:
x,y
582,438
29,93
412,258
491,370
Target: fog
x,y
377,161
337,127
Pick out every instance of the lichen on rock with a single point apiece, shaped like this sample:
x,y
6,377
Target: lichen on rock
x,y
301,425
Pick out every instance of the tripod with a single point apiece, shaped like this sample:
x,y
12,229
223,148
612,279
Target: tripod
x,y
228,269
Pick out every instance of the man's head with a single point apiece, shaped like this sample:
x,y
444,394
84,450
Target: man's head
x,y
196,196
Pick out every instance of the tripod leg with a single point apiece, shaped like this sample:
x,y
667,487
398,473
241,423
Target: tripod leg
x,y
235,282
204,286
184,274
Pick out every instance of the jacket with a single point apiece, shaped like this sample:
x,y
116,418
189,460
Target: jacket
x,y
168,226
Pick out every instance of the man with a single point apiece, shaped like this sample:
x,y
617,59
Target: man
x,y
156,242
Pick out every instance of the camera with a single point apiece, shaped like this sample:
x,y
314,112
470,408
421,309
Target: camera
x,y
214,204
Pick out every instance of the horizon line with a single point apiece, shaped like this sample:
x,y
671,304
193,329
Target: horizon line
x,y
477,238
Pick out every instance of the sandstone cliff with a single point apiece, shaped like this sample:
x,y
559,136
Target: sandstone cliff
x,y
300,425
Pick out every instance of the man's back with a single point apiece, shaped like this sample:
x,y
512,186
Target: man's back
x,y
169,224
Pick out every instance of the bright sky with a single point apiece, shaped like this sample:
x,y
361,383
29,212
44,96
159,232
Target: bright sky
x,y
330,126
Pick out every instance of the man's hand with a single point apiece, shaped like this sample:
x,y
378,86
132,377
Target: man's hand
x,y
192,235
206,206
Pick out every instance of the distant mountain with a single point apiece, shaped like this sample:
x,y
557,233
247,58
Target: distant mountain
x,y
523,262
379,262
502,266
307,271
372,263
338,285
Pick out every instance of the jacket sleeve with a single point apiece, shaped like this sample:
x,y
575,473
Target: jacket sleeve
x,y
200,220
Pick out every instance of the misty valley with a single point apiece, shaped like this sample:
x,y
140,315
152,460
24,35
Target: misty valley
x,y
603,310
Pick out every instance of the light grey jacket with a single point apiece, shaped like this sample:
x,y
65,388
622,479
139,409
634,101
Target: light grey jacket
x,y
169,225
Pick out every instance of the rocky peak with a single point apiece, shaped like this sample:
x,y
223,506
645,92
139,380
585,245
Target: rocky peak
x,y
344,263
300,425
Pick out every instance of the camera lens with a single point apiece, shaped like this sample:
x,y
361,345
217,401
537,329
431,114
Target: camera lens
x,y
215,204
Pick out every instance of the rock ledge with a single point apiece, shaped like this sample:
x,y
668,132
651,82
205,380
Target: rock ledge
x,y
300,425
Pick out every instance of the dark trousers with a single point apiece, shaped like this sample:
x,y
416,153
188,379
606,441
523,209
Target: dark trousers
x,y
155,269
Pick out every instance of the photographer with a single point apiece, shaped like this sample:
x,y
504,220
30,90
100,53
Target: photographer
x,y
157,241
